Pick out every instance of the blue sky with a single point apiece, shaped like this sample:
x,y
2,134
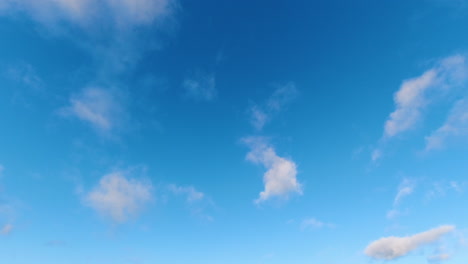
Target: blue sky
x,y
256,132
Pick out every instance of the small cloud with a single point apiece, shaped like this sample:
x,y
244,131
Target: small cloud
x,y
376,154
389,248
456,125
313,223
1,170
190,192
440,188
406,188
96,106
393,213
280,179
26,75
198,203
6,229
438,258
201,86
119,197
260,115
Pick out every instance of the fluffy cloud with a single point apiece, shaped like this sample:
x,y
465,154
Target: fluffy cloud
x,y
201,86
6,229
189,191
96,106
389,248
118,197
85,12
260,115
280,178
455,125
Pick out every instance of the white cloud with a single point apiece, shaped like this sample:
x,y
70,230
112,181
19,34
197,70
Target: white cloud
x,y
1,170
409,101
189,191
122,13
280,178
313,223
455,125
406,188
6,229
96,106
201,86
389,248
119,197
260,115
416,94
413,96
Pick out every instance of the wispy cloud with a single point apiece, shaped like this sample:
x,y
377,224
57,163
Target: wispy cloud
x,y
122,13
119,197
389,248
191,194
6,229
405,189
197,202
96,106
1,170
440,188
413,97
201,86
313,223
438,258
456,125
280,179
416,94
261,114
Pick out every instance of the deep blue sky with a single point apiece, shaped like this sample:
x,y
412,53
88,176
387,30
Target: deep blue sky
x,y
256,132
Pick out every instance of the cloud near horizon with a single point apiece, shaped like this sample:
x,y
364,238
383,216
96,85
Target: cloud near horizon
x,y
280,179
389,248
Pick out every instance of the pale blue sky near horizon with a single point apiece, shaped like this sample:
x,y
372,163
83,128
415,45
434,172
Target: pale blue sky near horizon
x,y
256,132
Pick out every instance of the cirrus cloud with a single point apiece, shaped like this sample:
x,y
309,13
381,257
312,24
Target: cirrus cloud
x,y
85,12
